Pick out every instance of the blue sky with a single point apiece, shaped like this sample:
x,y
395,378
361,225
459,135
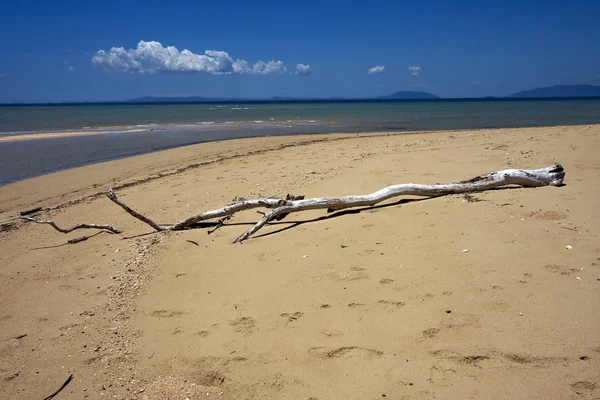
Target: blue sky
x,y
49,49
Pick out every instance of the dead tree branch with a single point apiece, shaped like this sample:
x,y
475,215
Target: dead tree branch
x,y
550,176
74,227
111,195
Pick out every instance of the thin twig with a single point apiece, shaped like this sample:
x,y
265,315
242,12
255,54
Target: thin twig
x,y
571,229
220,223
74,227
64,385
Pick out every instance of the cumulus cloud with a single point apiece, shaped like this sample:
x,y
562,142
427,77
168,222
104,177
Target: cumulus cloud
x,y
71,68
152,57
303,70
414,70
378,69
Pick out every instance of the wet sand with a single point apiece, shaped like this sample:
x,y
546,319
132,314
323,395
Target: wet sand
x,y
381,303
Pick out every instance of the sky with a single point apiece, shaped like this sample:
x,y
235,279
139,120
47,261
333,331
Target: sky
x,y
57,51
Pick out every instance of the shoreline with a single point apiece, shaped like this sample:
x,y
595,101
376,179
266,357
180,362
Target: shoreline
x,y
382,300
17,136
213,134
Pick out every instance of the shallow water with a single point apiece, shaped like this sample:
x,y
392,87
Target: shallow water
x,y
164,126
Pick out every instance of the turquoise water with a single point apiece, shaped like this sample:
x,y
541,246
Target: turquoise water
x,y
163,126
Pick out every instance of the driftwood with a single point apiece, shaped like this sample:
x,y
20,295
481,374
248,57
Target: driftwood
x,y
31,211
550,176
64,385
74,227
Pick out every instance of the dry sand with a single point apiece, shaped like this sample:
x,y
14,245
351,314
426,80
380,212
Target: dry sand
x,y
381,303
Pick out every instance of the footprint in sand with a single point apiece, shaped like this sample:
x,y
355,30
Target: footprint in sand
x,y
548,215
292,317
245,325
392,305
559,269
354,305
430,333
332,333
354,274
585,388
345,352
166,313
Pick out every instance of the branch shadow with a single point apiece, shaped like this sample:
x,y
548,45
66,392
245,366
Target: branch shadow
x,y
337,214
294,224
80,239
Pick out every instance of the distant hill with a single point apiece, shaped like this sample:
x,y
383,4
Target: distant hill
x,y
190,99
561,91
408,95
404,95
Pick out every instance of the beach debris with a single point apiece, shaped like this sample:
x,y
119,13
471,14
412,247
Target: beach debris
x,y
465,250
219,224
549,176
74,227
192,242
571,229
521,314
77,240
64,385
30,211
305,256
569,247
578,278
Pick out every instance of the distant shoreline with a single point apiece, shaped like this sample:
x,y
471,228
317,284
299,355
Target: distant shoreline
x,y
300,101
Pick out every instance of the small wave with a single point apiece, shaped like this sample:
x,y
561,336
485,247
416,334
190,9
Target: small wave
x,y
206,123
235,108
246,108
258,122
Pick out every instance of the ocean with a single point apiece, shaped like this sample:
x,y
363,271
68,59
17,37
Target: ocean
x,y
130,129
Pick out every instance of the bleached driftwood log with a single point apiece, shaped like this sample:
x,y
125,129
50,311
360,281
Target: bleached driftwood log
x,y
74,227
550,176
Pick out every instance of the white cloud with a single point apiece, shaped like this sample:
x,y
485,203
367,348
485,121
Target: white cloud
x,y
414,70
377,69
303,70
71,68
152,57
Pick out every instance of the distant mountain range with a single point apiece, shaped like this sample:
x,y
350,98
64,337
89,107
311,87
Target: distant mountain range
x,y
403,95
560,91
543,92
408,95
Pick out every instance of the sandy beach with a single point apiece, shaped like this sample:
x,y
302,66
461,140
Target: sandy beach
x,y
494,296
